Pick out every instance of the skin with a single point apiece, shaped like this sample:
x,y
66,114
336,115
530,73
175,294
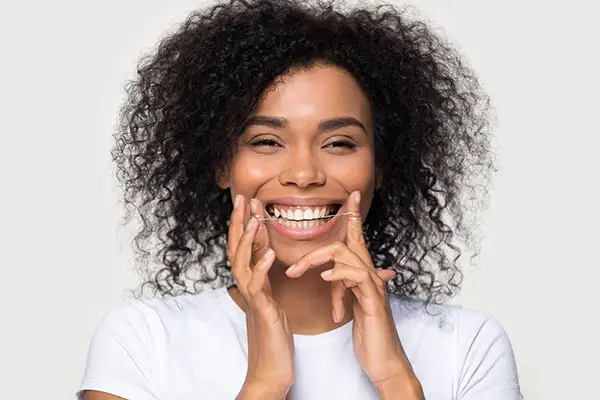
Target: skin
x,y
305,162
95,395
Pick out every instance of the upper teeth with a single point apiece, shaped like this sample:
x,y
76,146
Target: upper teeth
x,y
299,215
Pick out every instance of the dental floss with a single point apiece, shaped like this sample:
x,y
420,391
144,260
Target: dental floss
x,y
345,213
355,217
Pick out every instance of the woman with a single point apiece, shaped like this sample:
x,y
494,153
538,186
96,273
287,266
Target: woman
x,y
304,170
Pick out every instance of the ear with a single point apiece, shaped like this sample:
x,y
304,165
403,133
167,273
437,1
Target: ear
x,y
222,178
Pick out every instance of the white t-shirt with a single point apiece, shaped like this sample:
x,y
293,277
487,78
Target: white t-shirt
x,y
195,347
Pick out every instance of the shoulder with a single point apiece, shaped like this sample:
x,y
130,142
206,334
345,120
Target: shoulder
x,y
470,342
447,319
131,344
155,315
461,335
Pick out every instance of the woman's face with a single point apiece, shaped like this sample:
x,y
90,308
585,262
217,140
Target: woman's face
x,y
305,149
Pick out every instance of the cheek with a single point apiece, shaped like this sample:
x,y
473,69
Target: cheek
x,y
353,173
249,173
357,178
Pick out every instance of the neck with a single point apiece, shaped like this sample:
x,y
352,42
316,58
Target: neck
x,y
306,300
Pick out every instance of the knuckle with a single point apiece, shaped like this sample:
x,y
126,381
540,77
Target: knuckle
x,y
338,245
244,236
245,240
253,289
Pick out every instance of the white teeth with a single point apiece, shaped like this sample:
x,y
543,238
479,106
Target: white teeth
x,y
296,214
301,224
308,214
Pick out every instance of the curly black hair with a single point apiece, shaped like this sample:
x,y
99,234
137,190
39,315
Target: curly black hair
x,y
191,97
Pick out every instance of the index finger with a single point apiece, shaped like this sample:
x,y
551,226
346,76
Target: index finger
x,y
336,252
261,242
237,223
354,230
240,266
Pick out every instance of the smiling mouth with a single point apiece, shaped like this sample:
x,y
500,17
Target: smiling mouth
x,y
302,216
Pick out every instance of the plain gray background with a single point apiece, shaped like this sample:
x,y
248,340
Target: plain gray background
x,y
64,263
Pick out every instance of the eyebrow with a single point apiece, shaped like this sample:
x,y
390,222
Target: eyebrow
x,y
324,126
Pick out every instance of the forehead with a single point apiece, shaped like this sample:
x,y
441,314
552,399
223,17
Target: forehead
x,y
318,93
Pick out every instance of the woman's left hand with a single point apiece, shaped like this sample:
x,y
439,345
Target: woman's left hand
x,y
375,339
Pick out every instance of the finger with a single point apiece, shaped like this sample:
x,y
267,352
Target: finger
x,y
247,213
360,277
336,251
258,286
261,243
246,219
236,226
338,290
354,229
385,274
243,254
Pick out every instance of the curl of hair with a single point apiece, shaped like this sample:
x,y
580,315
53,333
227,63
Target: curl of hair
x,y
191,96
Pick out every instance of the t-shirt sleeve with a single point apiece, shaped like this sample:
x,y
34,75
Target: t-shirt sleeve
x,y
124,357
488,364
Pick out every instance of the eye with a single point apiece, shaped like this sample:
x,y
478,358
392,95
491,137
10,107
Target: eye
x,y
344,144
264,143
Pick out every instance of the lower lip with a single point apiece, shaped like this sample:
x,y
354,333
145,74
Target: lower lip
x,y
306,233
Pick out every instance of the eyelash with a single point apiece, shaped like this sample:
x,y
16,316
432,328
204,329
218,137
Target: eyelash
x,y
339,143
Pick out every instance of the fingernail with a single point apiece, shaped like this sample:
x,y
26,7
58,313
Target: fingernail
x,y
326,273
270,253
253,206
357,197
251,223
237,201
335,317
290,269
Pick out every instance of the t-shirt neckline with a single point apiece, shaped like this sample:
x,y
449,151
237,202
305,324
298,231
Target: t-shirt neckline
x,y
337,334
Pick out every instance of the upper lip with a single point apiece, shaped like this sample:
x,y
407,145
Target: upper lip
x,y
303,201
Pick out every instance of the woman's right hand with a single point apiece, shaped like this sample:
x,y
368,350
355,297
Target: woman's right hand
x,y
270,343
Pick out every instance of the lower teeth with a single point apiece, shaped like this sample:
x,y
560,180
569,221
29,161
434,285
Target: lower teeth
x,y
301,224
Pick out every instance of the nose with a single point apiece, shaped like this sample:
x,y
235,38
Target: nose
x,y
302,169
